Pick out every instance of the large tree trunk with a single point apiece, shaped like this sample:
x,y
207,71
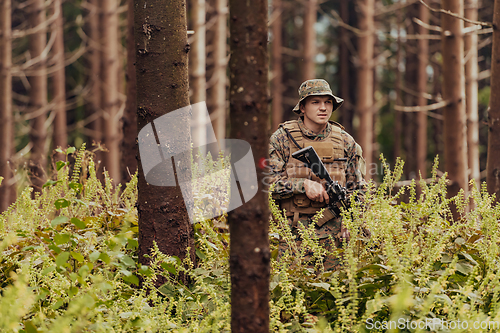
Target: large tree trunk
x,y
248,224
94,110
218,93
309,39
109,87
197,66
365,79
129,145
38,95
455,152
6,121
493,163
163,217
421,117
277,71
59,137
471,93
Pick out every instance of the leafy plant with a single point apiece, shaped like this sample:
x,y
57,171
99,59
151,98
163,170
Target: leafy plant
x,y
68,261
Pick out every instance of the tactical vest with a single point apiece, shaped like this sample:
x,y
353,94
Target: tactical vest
x,y
331,152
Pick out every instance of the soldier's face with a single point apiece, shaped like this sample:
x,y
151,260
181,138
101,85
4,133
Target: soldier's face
x,y
317,110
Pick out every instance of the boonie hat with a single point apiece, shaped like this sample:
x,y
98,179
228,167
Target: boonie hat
x,y
316,87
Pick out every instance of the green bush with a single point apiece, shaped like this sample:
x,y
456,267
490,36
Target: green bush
x,y
68,262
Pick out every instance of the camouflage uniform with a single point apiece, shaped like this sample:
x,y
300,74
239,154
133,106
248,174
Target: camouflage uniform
x,y
284,187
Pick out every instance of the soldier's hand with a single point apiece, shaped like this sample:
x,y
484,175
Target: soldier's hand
x,y
315,191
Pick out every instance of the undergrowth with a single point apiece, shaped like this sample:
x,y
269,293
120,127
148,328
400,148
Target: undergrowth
x,y
68,262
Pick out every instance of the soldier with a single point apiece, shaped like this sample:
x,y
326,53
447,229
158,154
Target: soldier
x,y
296,189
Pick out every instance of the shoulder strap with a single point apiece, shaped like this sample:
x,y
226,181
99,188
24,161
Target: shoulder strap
x,y
337,140
293,132
336,124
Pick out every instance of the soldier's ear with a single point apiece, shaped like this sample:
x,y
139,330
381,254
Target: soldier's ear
x,y
301,107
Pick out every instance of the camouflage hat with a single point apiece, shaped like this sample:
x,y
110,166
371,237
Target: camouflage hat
x,y
316,87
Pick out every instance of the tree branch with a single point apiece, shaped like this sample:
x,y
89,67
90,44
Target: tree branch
x,y
447,12
423,108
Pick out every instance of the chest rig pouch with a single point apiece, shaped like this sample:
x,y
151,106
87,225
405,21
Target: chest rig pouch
x,y
331,152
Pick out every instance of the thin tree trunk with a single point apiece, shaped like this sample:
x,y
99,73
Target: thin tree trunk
x,y
421,117
129,145
59,137
249,224
437,124
410,98
344,69
6,121
218,95
277,71
163,217
365,79
109,86
454,92
471,93
493,163
94,57
309,39
398,117
38,95
198,68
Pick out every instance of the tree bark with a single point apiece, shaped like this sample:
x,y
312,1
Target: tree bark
x,y
471,93
398,117
277,71
94,110
309,39
454,91
59,137
129,120
410,95
345,65
38,95
493,162
218,94
248,224
421,117
6,121
437,124
161,38
365,79
109,87
197,64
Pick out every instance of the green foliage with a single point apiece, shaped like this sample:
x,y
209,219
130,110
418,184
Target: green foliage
x,y
484,96
68,262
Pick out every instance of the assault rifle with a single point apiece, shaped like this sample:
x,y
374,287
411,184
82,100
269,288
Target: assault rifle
x,y
336,192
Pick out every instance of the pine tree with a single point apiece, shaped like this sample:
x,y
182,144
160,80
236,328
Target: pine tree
x,y
248,224
493,164
364,103
455,153
60,137
38,93
163,217
6,121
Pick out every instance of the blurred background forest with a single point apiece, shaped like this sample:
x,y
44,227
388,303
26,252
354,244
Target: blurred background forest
x,y
68,78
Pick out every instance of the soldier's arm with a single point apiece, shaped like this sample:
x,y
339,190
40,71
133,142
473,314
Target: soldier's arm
x,y
356,167
284,187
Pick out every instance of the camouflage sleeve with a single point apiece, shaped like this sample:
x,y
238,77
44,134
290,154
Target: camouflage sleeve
x,y
284,187
356,167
